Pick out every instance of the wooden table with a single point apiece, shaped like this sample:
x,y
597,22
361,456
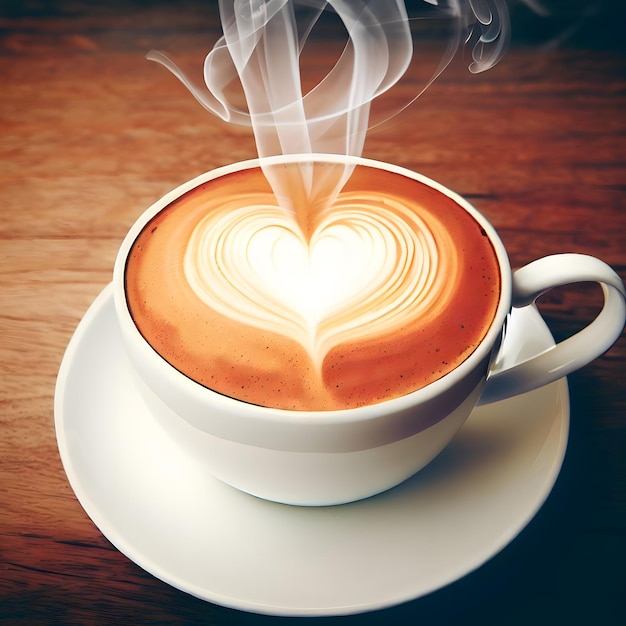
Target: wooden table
x,y
91,134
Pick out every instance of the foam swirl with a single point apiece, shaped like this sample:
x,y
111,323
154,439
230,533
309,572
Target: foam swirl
x,y
370,266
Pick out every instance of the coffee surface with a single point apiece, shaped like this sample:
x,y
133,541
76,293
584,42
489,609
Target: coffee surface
x,y
333,306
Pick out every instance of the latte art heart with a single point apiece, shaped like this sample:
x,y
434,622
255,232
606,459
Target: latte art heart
x,y
369,267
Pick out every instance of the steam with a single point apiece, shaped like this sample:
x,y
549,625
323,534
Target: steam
x,y
261,47
489,35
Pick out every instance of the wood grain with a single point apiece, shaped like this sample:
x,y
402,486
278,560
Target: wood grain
x,y
91,134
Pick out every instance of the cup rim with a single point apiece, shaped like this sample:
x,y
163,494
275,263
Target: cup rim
x,y
252,413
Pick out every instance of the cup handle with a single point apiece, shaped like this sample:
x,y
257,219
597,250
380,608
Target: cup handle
x,y
534,279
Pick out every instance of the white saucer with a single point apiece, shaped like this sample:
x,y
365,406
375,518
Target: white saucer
x,y
166,513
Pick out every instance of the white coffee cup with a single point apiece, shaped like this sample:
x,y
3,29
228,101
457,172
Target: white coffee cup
x,y
332,457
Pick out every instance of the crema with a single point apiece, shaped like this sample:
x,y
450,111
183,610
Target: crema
x,y
348,301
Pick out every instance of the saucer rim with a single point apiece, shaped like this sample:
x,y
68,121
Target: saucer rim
x,y
97,310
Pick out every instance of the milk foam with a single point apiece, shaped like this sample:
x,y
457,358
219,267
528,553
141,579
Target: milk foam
x,y
369,267
370,296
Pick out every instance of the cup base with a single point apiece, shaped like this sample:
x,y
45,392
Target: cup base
x,y
308,478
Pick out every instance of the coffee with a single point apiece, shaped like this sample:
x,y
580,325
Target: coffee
x,y
384,290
